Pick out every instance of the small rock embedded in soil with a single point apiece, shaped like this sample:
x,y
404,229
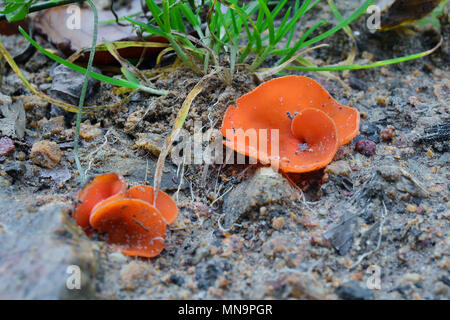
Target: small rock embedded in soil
x,y
150,142
15,169
353,291
6,146
39,252
297,285
278,223
89,131
30,102
67,84
388,133
357,84
366,147
45,154
51,127
339,168
59,175
341,236
264,188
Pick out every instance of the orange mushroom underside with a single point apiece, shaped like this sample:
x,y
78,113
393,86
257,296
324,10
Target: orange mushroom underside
x,y
310,124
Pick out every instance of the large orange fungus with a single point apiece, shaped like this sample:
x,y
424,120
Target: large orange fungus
x,y
293,116
134,222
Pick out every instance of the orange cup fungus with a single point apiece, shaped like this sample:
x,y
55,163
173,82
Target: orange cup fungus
x,y
134,223
310,124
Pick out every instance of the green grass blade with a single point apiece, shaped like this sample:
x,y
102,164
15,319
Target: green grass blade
x,y
83,94
296,47
367,66
190,16
284,21
269,18
312,6
173,42
346,22
291,24
166,16
291,34
130,77
155,11
177,20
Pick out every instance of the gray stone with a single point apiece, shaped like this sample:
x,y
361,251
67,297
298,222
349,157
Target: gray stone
x,y
341,236
353,291
265,188
37,251
67,84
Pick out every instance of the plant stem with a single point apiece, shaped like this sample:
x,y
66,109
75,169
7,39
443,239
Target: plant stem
x,y
83,94
46,5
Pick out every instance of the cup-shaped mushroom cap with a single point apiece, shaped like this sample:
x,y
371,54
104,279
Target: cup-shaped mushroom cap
x,y
164,202
318,140
267,112
133,225
97,190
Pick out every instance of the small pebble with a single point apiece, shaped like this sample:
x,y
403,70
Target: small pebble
x,y
411,208
339,168
278,223
46,154
6,146
29,102
388,133
150,142
89,131
51,127
366,147
382,101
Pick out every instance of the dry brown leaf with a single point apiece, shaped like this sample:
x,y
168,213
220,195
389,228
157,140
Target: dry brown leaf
x,y
10,28
403,12
53,24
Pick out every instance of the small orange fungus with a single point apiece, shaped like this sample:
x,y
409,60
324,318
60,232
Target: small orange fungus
x,y
133,222
164,202
97,190
309,124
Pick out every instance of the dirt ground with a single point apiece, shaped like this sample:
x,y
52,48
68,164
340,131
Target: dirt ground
x,y
243,234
